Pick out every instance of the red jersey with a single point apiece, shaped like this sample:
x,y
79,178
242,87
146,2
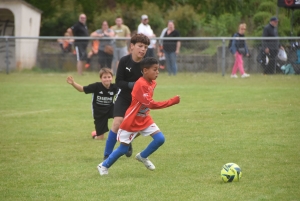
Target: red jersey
x,y
137,116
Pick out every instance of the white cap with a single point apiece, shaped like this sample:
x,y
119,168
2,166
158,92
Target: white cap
x,y
144,17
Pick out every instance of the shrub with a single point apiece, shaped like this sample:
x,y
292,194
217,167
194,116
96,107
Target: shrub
x,y
267,6
261,18
224,25
186,20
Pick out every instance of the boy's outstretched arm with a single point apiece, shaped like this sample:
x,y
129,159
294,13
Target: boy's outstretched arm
x,y
144,97
71,81
162,104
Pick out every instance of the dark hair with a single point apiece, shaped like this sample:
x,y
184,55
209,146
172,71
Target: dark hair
x,y
140,38
148,62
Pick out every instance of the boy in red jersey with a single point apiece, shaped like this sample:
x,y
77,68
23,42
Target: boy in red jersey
x,y
138,120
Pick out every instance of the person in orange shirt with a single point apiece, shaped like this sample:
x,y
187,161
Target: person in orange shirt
x,y
137,118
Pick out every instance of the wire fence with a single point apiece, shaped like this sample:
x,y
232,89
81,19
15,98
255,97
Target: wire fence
x,y
197,54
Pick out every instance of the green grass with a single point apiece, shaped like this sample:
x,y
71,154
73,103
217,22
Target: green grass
x,y
47,152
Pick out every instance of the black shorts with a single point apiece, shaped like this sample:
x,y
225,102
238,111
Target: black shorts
x,y
121,105
101,124
80,48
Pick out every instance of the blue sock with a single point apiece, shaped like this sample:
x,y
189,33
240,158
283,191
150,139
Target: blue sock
x,y
110,143
113,157
158,140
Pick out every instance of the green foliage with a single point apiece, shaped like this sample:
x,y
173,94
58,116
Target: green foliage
x,y
66,15
261,18
284,26
296,23
267,7
105,15
186,20
225,25
192,17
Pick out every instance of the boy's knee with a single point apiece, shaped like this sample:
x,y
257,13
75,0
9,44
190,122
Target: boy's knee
x,y
159,138
124,149
116,124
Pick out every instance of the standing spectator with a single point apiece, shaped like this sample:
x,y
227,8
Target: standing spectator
x,y
80,29
239,48
145,29
171,48
271,47
120,47
105,34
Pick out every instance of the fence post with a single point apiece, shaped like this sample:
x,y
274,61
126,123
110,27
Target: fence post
x,y
223,57
7,55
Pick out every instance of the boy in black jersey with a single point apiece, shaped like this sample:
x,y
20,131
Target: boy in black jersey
x,y
103,96
128,73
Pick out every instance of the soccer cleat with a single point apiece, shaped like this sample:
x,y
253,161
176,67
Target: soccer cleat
x,y
102,170
234,76
149,165
129,153
245,75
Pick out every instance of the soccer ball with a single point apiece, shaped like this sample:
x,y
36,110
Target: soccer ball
x,y
231,172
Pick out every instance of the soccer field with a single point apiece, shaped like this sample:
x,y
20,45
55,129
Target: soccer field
x,y
47,152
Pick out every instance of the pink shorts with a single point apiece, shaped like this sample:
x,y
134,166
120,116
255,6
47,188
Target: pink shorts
x,y
127,136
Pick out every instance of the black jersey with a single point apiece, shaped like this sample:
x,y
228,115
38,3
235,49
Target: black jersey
x,y
80,29
102,98
128,71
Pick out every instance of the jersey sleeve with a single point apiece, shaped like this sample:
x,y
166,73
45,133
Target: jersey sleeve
x,y
144,96
91,88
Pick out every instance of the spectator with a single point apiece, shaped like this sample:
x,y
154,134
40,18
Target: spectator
x,y
105,52
80,29
239,49
145,29
66,43
120,47
171,48
270,47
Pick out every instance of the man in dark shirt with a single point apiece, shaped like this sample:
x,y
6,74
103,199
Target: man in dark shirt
x,y
80,29
271,47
